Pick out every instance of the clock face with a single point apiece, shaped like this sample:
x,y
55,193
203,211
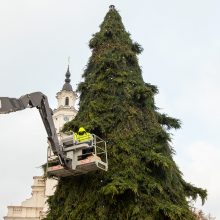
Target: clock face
x,y
66,118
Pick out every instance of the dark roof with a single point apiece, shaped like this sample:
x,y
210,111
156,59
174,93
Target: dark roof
x,y
67,86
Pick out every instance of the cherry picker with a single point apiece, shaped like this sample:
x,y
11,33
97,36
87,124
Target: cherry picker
x,y
65,156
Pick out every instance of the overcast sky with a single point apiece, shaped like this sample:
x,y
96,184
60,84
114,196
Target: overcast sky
x,y
181,41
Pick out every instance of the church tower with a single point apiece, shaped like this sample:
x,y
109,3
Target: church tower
x,y
65,111
66,99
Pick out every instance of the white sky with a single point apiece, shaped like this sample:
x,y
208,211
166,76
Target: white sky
x,y
182,52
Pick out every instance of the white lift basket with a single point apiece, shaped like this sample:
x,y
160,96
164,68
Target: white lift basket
x,y
86,157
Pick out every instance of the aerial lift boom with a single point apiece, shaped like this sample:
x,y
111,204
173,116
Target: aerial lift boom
x,y
38,100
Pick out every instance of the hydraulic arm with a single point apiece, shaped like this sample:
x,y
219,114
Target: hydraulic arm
x,y
38,100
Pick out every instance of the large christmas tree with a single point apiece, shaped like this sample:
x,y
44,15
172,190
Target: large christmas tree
x,y
143,182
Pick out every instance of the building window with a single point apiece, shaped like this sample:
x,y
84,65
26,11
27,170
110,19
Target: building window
x,y
67,101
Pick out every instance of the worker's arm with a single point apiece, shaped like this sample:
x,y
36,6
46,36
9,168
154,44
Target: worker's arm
x,y
75,140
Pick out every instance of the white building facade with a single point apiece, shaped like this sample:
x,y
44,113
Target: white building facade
x,y
30,209
36,207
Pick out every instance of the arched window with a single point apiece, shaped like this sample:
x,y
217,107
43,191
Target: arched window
x,y
67,101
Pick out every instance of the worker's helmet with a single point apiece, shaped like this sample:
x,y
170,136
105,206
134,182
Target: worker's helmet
x,y
81,131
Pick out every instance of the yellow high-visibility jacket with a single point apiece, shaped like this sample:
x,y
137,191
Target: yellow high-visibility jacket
x,y
84,137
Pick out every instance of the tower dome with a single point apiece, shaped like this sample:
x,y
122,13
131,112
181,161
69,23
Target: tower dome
x,y
67,86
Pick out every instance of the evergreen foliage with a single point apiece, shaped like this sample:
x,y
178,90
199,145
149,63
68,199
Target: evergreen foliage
x,y
143,181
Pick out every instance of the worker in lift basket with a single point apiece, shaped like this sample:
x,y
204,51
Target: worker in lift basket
x,y
84,137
